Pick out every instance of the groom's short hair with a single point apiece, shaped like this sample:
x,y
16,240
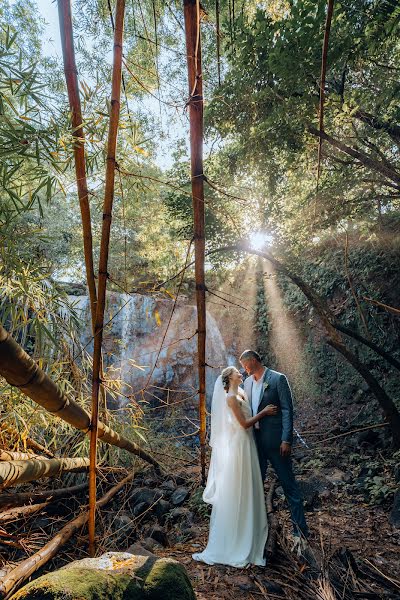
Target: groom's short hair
x,y
248,354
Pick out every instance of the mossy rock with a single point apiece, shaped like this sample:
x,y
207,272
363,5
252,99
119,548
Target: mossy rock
x,y
113,576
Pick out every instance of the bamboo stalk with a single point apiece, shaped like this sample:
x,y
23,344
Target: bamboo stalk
x,y
14,578
193,52
322,84
103,262
71,78
8,455
218,41
20,370
21,471
8,500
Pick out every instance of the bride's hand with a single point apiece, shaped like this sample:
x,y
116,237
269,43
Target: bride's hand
x,y
270,410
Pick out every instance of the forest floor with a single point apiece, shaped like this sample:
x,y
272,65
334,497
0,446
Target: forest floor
x,y
341,479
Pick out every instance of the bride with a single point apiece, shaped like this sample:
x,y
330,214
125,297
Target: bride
x,y
238,525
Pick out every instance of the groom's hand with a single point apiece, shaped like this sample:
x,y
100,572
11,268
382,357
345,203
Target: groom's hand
x,y
285,449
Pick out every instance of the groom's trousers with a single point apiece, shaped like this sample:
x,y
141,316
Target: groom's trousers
x,y
284,471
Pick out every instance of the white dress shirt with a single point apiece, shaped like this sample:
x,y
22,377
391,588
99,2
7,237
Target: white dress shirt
x,y
256,393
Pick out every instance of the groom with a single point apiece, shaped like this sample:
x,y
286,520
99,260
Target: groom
x,y
274,435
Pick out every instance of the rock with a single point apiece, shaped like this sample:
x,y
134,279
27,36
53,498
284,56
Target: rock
x,y
134,331
150,482
157,533
151,545
397,473
179,496
190,533
180,480
336,476
162,508
181,514
325,494
144,494
140,508
168,486
394,517
113,576
311,489
140,550
122,521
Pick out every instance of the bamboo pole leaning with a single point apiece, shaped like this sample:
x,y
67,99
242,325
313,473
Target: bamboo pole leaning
x,y
16,577
103,261
193,53
21,371
22,471
9,455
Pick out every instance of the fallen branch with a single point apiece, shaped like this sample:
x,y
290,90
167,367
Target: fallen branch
x,y
22,471
14,578
21,511
8,500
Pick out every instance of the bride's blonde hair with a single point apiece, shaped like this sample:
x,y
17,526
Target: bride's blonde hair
x,y
226,374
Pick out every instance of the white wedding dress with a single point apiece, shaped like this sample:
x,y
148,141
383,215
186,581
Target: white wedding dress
x,y
238,524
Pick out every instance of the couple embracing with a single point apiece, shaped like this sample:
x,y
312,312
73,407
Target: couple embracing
x,y
250,428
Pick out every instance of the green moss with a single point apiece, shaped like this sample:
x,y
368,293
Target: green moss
x,y
81,584
167,580
135,578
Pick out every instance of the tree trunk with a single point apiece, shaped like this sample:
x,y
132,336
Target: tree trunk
x,y
8,500
357,336
193,52
21,371
21,471
14,578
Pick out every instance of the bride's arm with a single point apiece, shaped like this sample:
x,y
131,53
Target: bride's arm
x,y
246,423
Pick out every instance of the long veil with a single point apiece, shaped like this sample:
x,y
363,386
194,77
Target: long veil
x,y
219,441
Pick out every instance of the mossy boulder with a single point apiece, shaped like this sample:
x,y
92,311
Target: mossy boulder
x,y
112,576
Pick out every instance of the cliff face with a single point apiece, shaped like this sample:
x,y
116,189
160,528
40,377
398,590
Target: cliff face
x,y
135,326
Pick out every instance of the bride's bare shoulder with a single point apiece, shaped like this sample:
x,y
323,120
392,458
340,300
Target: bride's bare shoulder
x,y
231,399
242,394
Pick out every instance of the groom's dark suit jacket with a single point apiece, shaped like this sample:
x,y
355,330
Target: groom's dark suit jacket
x,y
278,428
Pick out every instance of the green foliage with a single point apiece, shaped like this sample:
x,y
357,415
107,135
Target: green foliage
x,y
262,323
374,274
